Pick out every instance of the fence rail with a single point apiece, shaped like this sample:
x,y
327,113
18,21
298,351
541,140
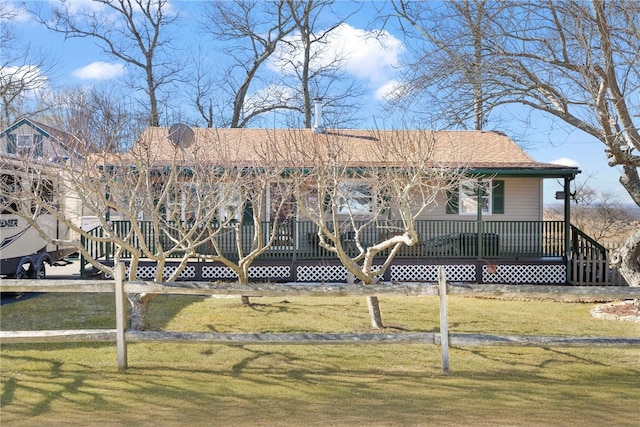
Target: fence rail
x,y
121,336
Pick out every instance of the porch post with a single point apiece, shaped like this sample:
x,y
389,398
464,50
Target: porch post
x,y
480,231
567,228
480,227
107,218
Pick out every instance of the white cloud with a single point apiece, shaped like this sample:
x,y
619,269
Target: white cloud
x,y
370,55
82,6
29,76
565,161
390,90
99,71
13,13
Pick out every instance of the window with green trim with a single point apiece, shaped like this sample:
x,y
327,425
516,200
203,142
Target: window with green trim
x,y
25,144
489,194
354,198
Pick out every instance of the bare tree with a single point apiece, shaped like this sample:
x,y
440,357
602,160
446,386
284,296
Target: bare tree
x,y
316,67
202,90
22,70
575,61
133,31
457,34
138,204
365,211
99,119
253,29
282,35
255,203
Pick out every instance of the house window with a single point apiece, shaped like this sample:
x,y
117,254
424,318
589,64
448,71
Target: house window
x,y
354,199
202,201
489,194
24,141
474,193
282,205
230,208
25,144
191,203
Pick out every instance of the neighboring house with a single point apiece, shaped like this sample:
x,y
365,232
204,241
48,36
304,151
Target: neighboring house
x,y
27,244
28,138
496,235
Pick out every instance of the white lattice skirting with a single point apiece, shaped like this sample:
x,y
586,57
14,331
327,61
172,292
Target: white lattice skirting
x,y
211,272
526,274
149,272
324,273
429,273
505,273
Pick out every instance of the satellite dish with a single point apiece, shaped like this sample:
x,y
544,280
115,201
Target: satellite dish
x,y
181,135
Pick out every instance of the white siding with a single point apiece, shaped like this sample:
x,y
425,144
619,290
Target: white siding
x,y
522,202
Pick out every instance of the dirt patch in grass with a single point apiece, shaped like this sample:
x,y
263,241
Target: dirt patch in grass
x,y
624,310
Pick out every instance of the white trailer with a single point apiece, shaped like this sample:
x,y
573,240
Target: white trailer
x,y
28,245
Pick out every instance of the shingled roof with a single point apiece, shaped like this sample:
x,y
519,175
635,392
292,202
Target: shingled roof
x,y
473,150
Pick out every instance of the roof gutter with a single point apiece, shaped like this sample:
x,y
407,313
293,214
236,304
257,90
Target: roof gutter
x,y
539,173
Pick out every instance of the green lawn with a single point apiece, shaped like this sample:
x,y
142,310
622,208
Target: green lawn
x,y
383,384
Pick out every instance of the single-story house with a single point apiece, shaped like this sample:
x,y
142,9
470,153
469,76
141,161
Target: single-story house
x,y
490,229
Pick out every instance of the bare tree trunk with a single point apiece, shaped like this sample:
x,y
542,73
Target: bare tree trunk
x,y
139,305
374,311
627,260
372,303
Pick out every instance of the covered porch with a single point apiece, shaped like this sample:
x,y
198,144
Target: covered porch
x,y
474,247
505,252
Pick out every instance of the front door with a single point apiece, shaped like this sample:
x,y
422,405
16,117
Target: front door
x,y
282,216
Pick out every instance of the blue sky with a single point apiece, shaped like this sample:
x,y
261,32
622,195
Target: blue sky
x,y
82,62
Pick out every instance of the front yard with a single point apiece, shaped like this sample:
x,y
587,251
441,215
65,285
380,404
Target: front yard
x,y
387,384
